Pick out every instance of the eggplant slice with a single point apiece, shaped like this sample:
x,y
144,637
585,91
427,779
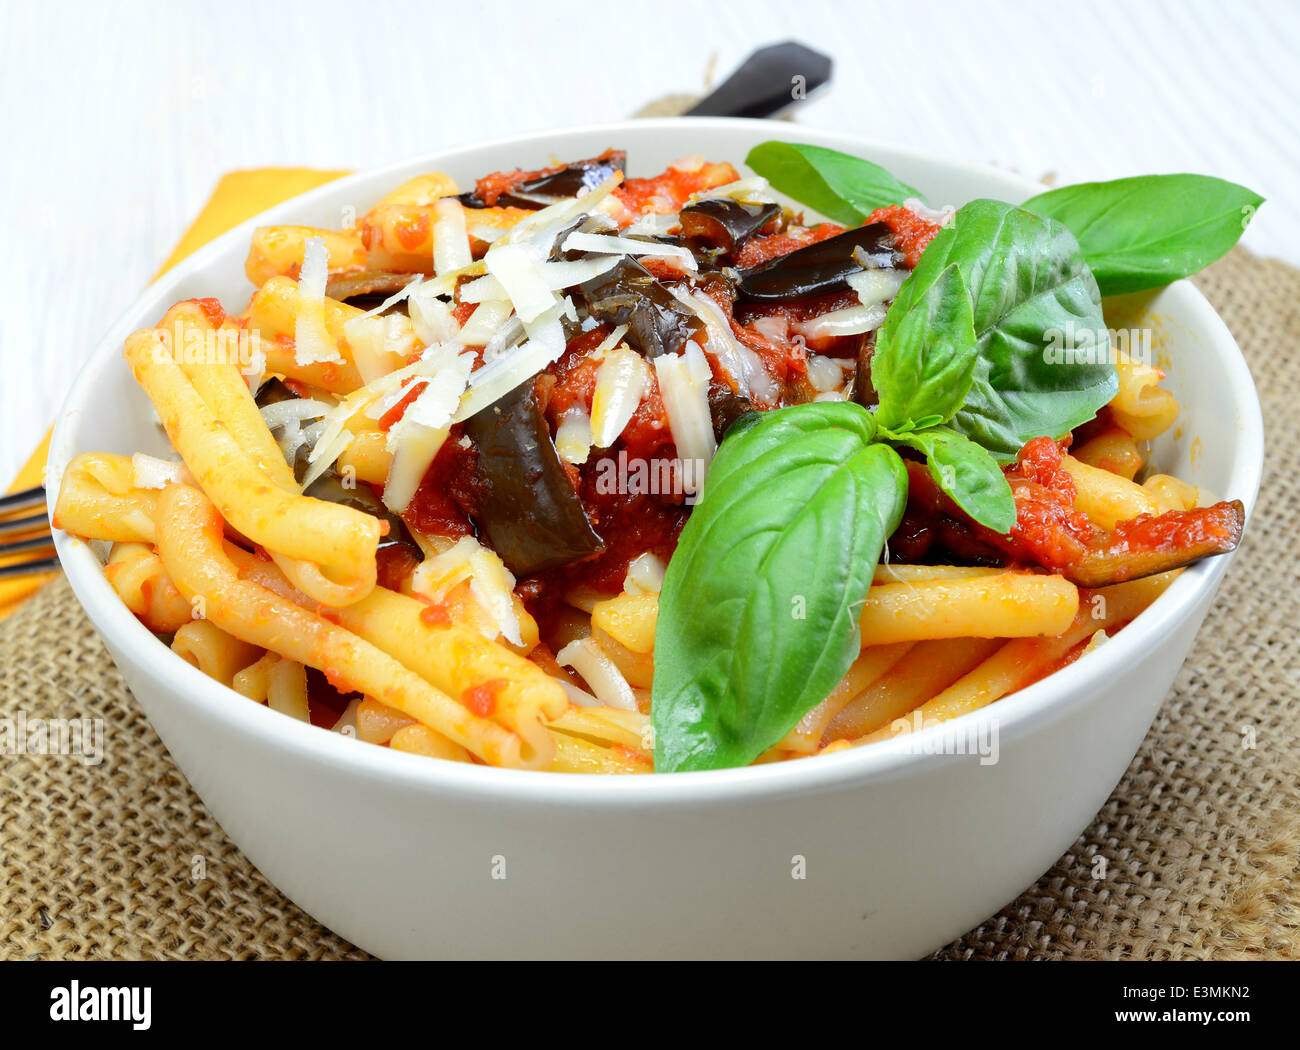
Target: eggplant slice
x,y
545,190
526,505
364,283
629,294
724,225
815,269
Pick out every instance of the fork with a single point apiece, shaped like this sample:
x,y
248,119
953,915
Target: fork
x,y
32,530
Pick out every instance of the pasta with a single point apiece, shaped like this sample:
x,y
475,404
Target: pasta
x,y
432,478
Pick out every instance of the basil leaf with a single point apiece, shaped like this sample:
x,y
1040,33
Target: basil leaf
x,y
843,188
1146,231
758,616
1029,286
967,473
925,355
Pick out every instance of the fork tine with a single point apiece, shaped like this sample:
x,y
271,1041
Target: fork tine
x,y
10,526
34,543
23,568
24,499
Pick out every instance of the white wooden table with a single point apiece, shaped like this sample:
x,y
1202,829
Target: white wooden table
x,y
118,119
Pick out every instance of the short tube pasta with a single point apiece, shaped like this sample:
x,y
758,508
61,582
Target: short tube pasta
x,y
99,501
190,544
214,652
1141,407
1105,497
340,540
1004,605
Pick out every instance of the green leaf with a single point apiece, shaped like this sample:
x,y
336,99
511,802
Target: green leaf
x,y
925,355
845,189
1146,231
1029,289
758,616
967,473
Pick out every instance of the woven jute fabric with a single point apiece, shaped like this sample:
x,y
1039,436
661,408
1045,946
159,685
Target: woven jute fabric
x,y
1195,855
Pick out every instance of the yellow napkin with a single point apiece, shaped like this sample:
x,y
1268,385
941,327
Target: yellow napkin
x,y
239,195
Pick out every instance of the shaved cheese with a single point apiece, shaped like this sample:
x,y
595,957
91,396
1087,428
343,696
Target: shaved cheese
x,y
481,290
824,374
432,319
577,697
553,276
491,583
314,273
684,387
450,239
755,189
379,345
606,681
740,362
298,408
610,341
512,368
484,322
876,286
312,342
418,447
443,391
883,260
504,338
434,577
654,224
622,379
445,283
541,226
853,320
324,455
942,216
518,273
418,436
486,233
149,472
290,439
597,242
573,438
645,574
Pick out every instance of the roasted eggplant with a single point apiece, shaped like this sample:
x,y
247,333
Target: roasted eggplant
x,y
361,284
816,269
525,503
722,225
629,294
545,190
864,392
725,407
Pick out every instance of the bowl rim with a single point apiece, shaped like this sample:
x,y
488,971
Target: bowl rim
x,y
1017,715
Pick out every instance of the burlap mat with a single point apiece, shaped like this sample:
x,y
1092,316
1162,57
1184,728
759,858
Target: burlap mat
x,y
1201,838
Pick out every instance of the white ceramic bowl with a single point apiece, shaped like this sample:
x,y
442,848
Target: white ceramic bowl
x,y
902,851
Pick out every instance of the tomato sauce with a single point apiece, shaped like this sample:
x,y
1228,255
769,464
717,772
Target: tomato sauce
x,y
670,191
761,249
438,506
481,699
912,233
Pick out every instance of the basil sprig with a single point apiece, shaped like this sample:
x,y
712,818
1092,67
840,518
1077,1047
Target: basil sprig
x,y
843,188
759,608
758,617
1029,290
1146,231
